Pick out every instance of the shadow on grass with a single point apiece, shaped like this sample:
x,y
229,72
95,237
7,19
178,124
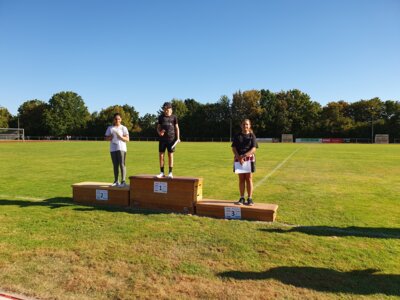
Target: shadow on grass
x,y
369,232
60,202
360,282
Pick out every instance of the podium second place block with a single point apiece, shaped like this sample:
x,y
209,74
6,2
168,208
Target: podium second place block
x,y
177,195
100,193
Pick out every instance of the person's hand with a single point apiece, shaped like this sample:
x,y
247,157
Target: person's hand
x,y
162,131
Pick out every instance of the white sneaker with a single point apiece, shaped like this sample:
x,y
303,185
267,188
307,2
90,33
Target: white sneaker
x,y
170,175
115,183
161,175
122,184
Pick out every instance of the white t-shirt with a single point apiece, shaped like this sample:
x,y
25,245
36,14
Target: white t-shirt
x,y
116,144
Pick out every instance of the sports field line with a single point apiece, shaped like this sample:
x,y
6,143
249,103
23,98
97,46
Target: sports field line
x,y
275,169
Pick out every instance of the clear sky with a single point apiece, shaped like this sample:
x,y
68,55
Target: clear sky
x,y
146,52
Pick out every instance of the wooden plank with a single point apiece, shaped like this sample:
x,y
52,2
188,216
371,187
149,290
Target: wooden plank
x,y
89,192
178,194
216,209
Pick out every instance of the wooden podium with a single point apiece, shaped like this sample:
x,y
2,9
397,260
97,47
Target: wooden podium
x,y
100,193
177,195
229,210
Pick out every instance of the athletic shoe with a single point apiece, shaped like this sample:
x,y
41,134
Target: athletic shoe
x,y
122,184
250,202
115,183
161,175
241,201
170,175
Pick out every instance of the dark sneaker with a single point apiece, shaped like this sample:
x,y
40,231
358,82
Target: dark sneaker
x,y
122,184
250,202
241,201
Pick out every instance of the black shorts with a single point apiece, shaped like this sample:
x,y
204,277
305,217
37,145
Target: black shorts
x,y
162,145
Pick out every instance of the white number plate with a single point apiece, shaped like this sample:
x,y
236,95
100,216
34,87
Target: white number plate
x,y
232,212
160,187
102,195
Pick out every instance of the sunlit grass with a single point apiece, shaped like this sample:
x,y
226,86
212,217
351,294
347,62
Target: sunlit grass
x,y
345,197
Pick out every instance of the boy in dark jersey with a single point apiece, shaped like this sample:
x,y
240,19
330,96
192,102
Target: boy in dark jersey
x,y
168,131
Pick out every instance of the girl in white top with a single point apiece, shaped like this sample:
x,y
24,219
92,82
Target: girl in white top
x,y
118,135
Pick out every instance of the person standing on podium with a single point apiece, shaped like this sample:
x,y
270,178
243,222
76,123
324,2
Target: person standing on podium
x,y
168,132
118,135
244,147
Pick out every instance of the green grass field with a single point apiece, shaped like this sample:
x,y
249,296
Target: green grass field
x,y
337,233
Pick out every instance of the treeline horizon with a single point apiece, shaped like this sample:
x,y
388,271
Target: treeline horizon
x,y
271,113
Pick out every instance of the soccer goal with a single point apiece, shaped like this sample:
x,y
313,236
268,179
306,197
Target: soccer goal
x,y
14,134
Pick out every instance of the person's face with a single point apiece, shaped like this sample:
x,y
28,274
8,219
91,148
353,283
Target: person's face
x,y
168,111
117,120
246,126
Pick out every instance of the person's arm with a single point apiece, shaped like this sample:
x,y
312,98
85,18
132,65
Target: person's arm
x,y
125,135
250,152
108,135
177,132
124,138
238,157
159,130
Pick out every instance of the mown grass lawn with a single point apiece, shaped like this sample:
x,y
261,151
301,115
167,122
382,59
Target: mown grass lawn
x,y
337,233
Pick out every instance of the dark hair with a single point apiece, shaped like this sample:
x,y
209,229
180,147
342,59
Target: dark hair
x,y
117,114
167,105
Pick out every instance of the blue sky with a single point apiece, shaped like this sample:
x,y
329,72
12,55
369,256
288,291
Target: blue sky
x,y
146,52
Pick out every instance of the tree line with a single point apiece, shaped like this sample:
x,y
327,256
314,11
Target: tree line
x,y
271,113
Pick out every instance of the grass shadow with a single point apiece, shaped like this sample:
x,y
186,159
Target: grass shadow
x,y
368,232
359,282
62,202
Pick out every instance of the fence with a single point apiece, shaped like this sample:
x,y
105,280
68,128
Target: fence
x,y
208,139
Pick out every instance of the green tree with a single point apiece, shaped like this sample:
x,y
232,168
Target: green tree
x,y
148,125
335,121
5,117
106,116
31,117
66,114
366,114
275,117
246,105
134,117
391,118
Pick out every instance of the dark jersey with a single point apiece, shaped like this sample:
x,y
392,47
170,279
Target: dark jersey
x,y
244,142
168,124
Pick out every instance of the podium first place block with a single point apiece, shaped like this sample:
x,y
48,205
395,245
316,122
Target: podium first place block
x,y
178,194
229,210
100,193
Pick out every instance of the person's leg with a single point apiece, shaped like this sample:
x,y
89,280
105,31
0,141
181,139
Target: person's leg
x,y
170,159
114,159
249,185
161,151
241,188
122,165
161,156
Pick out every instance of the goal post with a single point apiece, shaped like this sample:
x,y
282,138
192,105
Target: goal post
x,y
12,134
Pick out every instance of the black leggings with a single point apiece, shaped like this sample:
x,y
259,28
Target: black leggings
x,y
118,160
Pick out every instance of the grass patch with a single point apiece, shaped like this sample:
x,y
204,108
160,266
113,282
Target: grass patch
x,y
343,197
